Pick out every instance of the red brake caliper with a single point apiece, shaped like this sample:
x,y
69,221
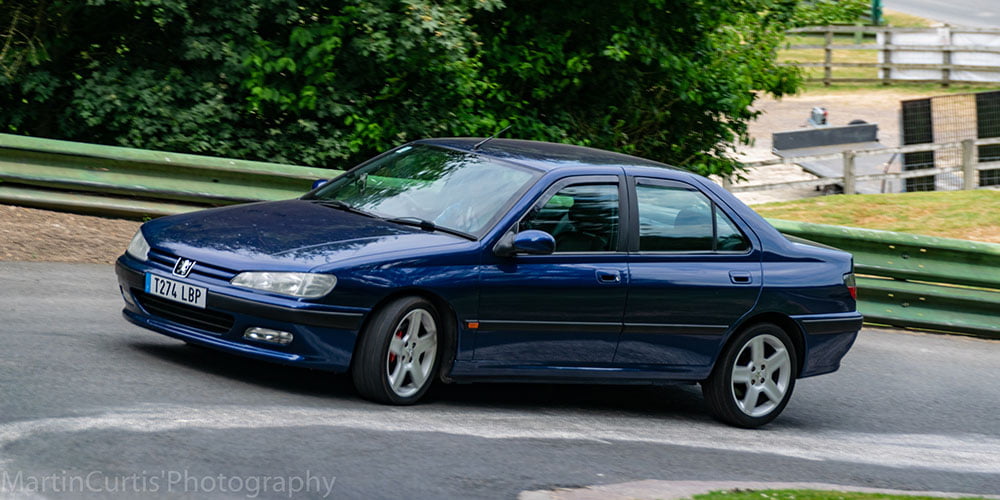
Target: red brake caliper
x,y
392,355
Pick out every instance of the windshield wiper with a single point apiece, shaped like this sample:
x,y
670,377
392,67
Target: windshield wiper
x,y
427,225
424,224
339,205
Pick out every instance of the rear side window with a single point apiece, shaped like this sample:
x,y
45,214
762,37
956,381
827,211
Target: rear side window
x,y
678,219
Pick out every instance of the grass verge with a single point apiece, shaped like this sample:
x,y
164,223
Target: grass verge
x,y
903,20
808,495
967,215
817,55
917,89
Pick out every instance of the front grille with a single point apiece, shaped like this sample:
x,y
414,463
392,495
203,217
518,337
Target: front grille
x,y
165,261
202,319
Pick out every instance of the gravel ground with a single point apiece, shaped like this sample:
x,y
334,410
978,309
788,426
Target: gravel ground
x,y
879,106
28,234
789,113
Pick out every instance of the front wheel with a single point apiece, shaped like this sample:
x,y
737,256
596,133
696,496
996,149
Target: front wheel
x,y
397,356
753,380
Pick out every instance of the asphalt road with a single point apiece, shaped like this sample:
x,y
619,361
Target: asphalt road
x,y
984,13
91,404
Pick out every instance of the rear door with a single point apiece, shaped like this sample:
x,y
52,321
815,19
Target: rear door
x,y
694,272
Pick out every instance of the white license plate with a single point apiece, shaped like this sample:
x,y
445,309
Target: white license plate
x,y
176,291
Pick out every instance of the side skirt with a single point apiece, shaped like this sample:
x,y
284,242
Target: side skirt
x,y
478,371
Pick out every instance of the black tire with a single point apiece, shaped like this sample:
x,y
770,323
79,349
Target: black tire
x,y
374,365
751,403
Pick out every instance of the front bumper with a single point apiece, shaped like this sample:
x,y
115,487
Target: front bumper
x,y
324,336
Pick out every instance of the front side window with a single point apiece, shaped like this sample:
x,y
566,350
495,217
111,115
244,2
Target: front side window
x,y
680,219
581,218
452,189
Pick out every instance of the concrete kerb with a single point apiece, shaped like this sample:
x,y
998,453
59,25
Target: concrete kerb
x,y
676,490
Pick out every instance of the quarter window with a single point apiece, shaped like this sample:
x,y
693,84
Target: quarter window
x,y
729,237
678,219
581,218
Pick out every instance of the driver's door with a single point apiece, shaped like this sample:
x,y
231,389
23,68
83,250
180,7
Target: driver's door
x,y
565,308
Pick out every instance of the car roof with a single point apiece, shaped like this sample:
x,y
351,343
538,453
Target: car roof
x,y
544,155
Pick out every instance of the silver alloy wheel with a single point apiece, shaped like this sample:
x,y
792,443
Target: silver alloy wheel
x,y
412,350
761,375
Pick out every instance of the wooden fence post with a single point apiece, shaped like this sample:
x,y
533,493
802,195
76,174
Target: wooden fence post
x,y
968,164
828,59
946,69
887,57
946,61
849,187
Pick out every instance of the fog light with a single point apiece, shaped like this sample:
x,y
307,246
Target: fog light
x,y
268,335
128,297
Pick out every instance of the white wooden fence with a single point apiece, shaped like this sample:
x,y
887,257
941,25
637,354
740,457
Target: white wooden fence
x,y
930,55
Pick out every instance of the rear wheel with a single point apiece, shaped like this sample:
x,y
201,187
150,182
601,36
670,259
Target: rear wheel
x,y
753,380
398,356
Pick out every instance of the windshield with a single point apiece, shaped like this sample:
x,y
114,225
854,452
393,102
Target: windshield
x,y
459,191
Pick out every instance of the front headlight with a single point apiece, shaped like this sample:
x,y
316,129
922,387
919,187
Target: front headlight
x,y
304,285
138,248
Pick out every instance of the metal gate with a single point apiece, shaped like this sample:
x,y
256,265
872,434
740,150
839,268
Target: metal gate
x,y
950,118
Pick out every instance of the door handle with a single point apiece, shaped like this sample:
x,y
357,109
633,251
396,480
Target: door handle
x,y
740,278
609,277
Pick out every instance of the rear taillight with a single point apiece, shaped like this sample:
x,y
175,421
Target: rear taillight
x,y
851,285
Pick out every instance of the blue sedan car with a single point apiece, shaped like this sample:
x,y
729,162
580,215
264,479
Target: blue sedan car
x,y
504,260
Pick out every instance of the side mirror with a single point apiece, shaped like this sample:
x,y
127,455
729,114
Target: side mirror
x,y
532,242
318,183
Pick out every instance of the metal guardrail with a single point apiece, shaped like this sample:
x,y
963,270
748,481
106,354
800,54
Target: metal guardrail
x,y
120,181
917,281
905,280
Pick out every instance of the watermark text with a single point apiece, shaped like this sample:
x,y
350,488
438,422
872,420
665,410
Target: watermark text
x,y
167,481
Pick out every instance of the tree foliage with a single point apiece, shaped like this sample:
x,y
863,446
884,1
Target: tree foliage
x,y
331,83
827,12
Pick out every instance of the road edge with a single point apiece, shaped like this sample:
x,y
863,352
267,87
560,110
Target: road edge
x,y
651,489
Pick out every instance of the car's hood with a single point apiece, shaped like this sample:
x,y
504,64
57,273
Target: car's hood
x,y
285,235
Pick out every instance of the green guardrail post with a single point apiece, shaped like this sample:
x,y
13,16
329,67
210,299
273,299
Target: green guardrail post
x,y
876,12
